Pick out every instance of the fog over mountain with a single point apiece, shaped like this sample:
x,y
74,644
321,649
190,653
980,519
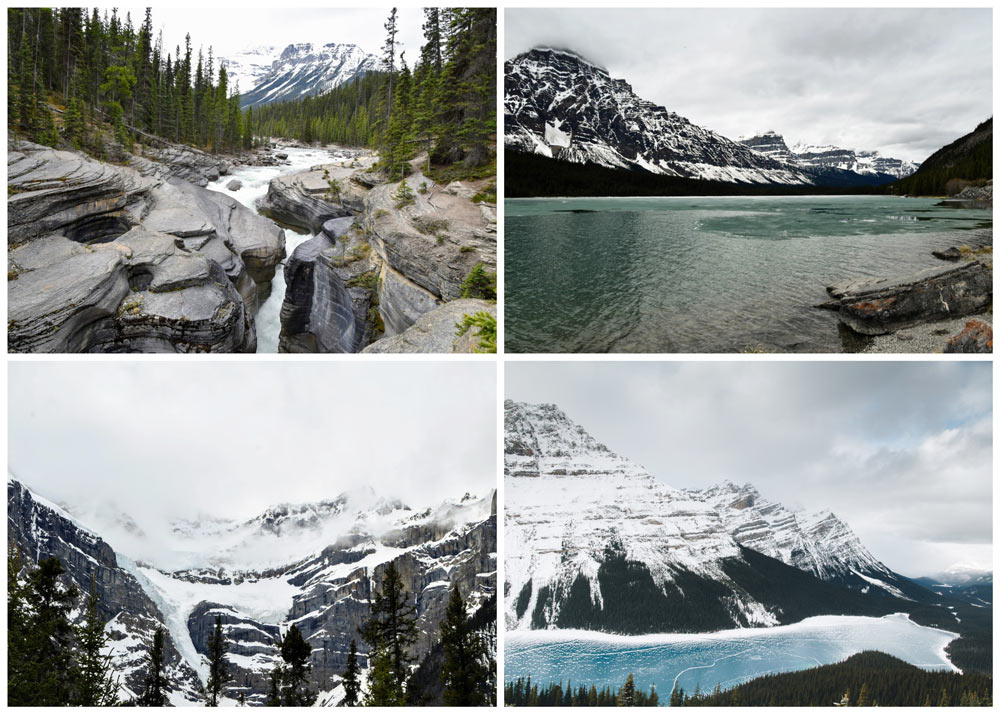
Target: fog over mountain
x,y
903,82
162,441
909,469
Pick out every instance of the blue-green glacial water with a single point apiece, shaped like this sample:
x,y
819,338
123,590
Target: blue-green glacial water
x,y
720,658
706,274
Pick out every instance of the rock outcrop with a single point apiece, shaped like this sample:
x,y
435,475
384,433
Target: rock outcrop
x,y
877,306
327,300
437,331
187,162
40,531
116,258
307,199
429,237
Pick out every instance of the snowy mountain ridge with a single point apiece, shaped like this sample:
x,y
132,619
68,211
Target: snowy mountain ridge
x,y
325,590
864,163
300,69
560,105
569,500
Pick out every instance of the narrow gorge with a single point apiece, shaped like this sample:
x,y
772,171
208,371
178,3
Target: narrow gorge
x,y
285,249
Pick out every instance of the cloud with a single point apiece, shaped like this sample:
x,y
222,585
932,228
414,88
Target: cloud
x,y
165,440
817,76
900,450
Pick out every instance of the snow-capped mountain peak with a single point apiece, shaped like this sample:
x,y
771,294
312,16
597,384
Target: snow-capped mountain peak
x,y
561,105
298,69
828,157
571,504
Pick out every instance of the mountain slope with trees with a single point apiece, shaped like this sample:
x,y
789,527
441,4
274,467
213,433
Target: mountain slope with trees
x,y
966,161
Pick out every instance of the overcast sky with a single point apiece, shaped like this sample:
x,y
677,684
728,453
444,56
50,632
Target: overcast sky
x,y
232,29
902,81
168,439
902,451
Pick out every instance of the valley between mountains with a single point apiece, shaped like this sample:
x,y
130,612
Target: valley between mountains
x,y
594,543
316,566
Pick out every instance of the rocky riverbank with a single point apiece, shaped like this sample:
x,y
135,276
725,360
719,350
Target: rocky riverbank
x,y
387,254
139,256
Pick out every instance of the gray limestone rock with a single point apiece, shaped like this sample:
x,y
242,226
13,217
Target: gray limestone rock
x,y
437,330
234,185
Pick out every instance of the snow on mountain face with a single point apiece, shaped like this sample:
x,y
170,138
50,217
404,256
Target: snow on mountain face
x,y
558,104
568,497
864,163
818,543
303,69
248,67
325,590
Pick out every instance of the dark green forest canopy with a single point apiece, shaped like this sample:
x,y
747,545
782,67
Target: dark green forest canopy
x,y
98,68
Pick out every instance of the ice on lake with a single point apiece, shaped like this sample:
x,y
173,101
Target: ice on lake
x,y
724,658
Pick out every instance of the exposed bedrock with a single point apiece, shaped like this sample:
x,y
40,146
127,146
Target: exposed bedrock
x,y
437,331
141,293
306,199
187,163
327,299
89,238
877,306
429,243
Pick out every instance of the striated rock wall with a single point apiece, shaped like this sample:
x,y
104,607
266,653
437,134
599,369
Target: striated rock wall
x,y
120,258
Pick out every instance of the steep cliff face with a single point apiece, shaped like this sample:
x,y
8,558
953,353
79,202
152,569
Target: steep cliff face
x,y
318,567
586,530
40,530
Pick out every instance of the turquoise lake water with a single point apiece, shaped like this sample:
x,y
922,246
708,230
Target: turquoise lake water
x,y
706,274
723,658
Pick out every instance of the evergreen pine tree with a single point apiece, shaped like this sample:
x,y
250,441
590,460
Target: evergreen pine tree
x,y
274,691
463,669
295,652
864,696
392,626
40,633
352,686
97,683
383,688
154,693
218,671
626,698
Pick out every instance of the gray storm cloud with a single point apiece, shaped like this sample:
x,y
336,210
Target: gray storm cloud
x,y
902,81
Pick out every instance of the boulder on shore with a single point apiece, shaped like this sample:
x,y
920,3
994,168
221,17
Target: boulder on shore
x,y
975,338
877,306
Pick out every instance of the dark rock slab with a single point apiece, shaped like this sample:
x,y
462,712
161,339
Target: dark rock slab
x,y
877,306
975,338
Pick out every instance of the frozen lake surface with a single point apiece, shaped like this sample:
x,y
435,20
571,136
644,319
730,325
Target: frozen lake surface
x,y
725,658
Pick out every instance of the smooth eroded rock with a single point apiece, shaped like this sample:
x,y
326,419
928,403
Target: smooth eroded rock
x,y
437,330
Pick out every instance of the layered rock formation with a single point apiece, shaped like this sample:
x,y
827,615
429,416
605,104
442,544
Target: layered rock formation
x,y
107,258
325,587
877,306
406,253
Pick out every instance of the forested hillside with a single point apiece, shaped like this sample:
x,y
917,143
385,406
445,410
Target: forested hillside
x,y
965,161
99,68
70,72
445,104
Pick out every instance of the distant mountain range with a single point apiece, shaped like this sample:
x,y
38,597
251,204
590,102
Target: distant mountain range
x,y
558,104
271,74
316,565
594,541
863,163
